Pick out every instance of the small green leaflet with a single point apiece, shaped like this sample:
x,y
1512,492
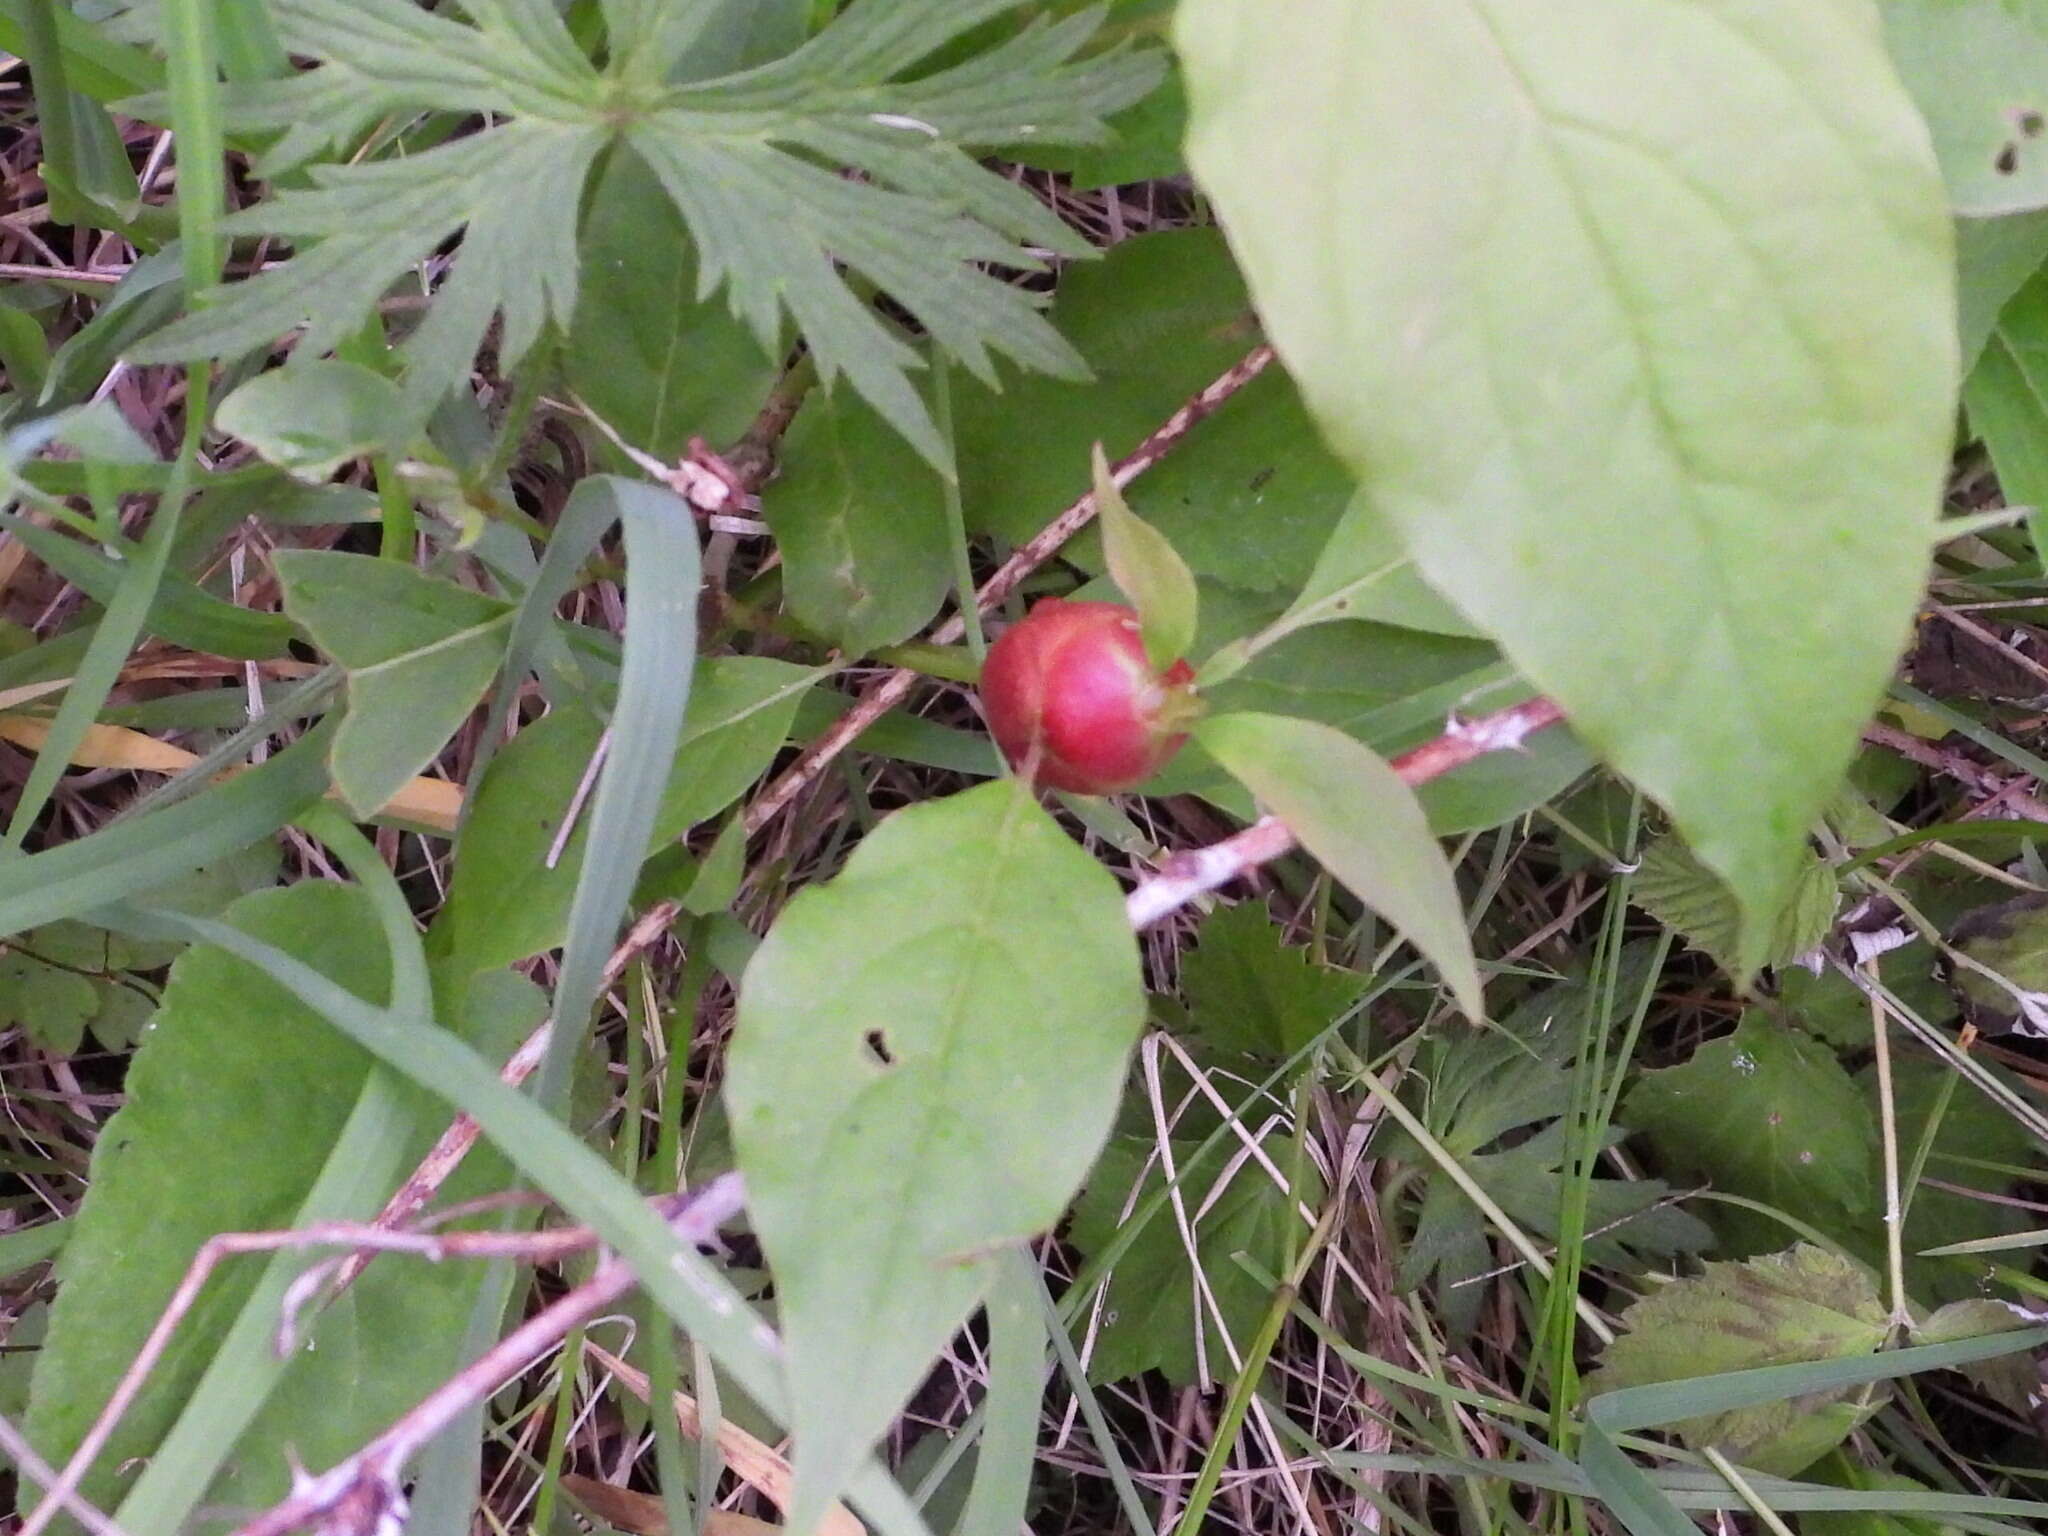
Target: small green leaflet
x,y
751,161
1627,418
1350,810
311,419
929,1053
1687,897
419,652
1250,992
1143,564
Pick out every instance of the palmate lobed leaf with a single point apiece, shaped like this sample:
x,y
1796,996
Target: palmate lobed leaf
x,y
751,161
1639,322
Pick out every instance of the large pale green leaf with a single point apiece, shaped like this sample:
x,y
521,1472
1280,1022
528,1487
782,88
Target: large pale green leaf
x,y
651,357
1658,382
1979,71
1349,809
1768,1113
860,519
234,1102
929,1053
1785,1309
419,654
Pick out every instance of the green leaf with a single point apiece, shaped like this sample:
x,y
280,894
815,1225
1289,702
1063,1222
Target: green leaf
x,y
657,362
753,163
1783,1309
1249,991
1994,259
2009,938
1142,563
53,1004
1687,897
314,417
1364,572
1347,807
1770,1114
505,903
1716,595
1961,1194
234,1103
1147,1318
929,1052
1493,1100
1158,318
861,523
2007,397
1978,69
419,652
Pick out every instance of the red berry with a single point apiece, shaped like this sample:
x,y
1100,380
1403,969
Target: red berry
x,y
1074,701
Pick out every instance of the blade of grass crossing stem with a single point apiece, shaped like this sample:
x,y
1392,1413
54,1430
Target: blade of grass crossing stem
x,y
153,849
1091,1414
191,52
583,521
1016,1384
692,1292
657,658
451,1468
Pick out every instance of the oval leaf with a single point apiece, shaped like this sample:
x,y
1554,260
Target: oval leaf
x,y
1350,810
312,418
928,1056
1659,385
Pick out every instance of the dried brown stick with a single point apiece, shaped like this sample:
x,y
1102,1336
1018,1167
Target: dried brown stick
x,y
534,1247
31,1468
364,1488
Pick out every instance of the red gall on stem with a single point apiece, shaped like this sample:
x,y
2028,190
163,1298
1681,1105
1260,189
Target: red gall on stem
x,y
1075,704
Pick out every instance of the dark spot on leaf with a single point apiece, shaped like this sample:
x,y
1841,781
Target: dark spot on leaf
x,y
878,1046
2031,123
2008,160
1261,478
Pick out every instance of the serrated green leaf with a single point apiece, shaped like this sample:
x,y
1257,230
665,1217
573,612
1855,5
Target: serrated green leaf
x,y
752,162
1145,566
1147,1318
861,523
1347,807
1768,1113
1782,1309
644,350
1249,991
1977,69
233,1104
1716,595
1493,1100
311,419
1690,899
929,1053
419,653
